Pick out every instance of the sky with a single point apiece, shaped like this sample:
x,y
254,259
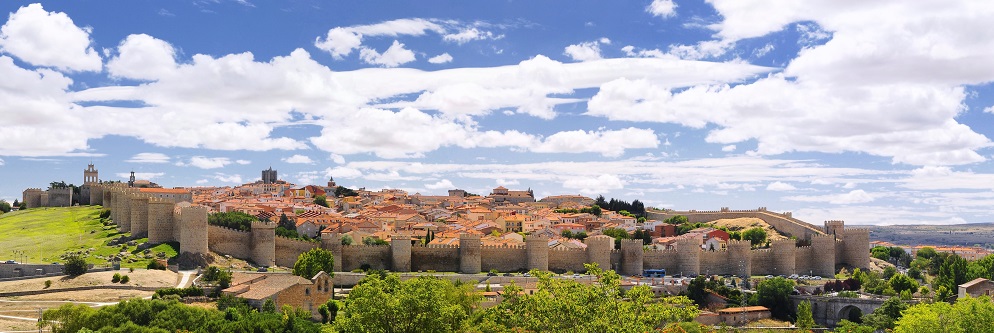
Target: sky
x,y
872,112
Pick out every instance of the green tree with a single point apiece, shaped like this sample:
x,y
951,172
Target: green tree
x,y
286,223
952,272
269,306
311,262
232,220
926,252
69,318
423,304
756,236
321,200
4,206
564,305
884,317
805,320
901,282
374,241
347,240
889,272
75,265
845,326
773,294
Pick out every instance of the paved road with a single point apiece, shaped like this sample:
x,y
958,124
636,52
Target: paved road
x,y
186,278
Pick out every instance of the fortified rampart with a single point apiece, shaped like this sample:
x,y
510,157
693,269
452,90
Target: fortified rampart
x,y
783,222
164,221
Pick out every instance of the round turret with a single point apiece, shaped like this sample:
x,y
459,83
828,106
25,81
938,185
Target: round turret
x,y
160,221
193,232
689,256
632,256
400,252
263,243
470,261
333,242
784,252
739,258
139,216
599,250
537,248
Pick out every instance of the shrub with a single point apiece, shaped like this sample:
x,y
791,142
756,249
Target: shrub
x,y
155,264
181,292
75,265
105,213
116,278
125,279
131,270
48,284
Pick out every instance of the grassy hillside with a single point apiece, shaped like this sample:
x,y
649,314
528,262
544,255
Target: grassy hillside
x,y
43,234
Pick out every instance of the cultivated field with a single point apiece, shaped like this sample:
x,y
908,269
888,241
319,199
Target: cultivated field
x,y
974,234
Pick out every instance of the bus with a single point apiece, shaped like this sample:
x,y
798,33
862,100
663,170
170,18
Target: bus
x,y
654,273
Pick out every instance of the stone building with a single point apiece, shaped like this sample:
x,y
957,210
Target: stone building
x,y
282,289
269,176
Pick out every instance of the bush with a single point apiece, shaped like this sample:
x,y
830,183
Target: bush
x,y
131,270
181,292
105,213
155,264
75,265
116,278
125,279
48,284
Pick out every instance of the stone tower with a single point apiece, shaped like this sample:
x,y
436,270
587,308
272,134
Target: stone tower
x,y
90,175
835,228
139,216
263,243
400,251
160,221
855,248
784,252
333,242
739,259
822,255
268,176
331,182
537,248
131,180
470,261
193,232
599,250
632,256
689,256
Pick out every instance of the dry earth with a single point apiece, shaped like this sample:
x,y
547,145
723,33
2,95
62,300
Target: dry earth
x,y
744,223
140,277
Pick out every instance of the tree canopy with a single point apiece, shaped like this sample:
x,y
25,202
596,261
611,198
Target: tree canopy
x,y
773,294
756,236
311,262
423,304
233,220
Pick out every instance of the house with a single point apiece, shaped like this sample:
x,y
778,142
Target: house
x,y
282,289
742,315
977,287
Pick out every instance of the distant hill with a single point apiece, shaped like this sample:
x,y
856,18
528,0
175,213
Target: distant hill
x,y
972,234
742,224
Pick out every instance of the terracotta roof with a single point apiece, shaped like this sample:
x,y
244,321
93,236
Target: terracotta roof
x,y
744,309
974,282
164,190
261,286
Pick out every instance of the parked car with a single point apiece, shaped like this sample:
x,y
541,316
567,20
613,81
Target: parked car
x,y
794,276
491,274
508,274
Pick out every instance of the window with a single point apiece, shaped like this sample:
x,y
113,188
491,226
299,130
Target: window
x,y
307,291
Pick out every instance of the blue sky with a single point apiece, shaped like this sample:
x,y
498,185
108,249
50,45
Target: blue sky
x,y
874,113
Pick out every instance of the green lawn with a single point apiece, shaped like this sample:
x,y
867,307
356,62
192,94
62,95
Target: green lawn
x,y
43,234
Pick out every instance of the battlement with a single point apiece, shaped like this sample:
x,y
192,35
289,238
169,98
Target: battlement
x,y
361,247
470,236
504,246
568,250
658,251
263,225
857,230
437,246
33,189
736,242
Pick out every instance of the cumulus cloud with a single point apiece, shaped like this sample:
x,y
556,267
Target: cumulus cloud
x,y
2,162
852,197
728,148
584,51
607,143
440,59
470,34
243,162
338,159
662,8
780,186
49,39
440,185
298,159
143,57
596,185
206,162
341,41
394,56
149,158
989,109
226,178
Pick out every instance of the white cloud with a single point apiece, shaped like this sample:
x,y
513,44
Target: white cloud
x,y
206,162
470,34
584,51
607,143
226,178
2,162
394,56
728,148
298,159
143,57
243,162
338,159
141,175
149,158
308,177
989,109
440,185
853,197
202,181
780,186
600,184
764,50
341,172
340,41
662,8
44,38
440,59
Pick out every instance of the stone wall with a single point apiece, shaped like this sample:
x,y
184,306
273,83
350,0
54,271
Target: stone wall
x,y
783,222
229,241
263,244
139,216
160,222
563,260
375,256
439,258
193,222
59,197
661,259
855,248
32,197
288,250
503,258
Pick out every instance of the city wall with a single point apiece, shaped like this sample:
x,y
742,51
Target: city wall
x,y
187,224
783,222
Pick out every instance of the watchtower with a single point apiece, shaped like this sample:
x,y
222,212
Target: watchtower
x,y
822,258
264,243
400,251
835,228
599,250
537,249
784,252
90,175
333,242
139,216
739,259
193,235
689,255
470,261
632,256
